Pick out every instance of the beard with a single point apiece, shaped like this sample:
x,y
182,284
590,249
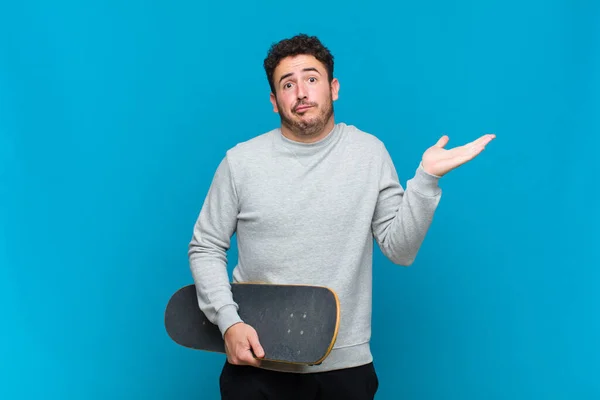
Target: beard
x,y
307,126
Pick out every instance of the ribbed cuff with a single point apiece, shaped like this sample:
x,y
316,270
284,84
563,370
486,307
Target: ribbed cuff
x,y
226,317
425,183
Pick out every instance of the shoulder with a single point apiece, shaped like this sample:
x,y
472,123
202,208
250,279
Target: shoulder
x,y
258,143
251,149
361,140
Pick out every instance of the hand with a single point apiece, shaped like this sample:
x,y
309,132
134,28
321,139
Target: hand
x,y
439,161
241,345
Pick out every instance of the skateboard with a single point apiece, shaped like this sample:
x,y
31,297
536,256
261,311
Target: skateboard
x,y
296,324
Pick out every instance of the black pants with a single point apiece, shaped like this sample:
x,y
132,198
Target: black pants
x,y
250,383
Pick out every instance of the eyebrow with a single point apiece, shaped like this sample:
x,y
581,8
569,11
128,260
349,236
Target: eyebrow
x,y
304,70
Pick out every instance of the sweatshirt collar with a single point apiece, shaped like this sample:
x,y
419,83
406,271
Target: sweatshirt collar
x,y
308,147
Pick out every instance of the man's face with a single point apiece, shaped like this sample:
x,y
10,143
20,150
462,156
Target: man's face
x,y
304,98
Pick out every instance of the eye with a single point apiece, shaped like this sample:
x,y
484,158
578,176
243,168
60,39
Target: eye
x,y
312,79
287,85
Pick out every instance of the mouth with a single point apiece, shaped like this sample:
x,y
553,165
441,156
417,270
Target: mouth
x,y
302,108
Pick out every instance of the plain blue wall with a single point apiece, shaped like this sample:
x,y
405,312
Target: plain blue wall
x,y
114,115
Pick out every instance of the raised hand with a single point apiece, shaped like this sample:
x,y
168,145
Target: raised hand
x,y
439,161
242,346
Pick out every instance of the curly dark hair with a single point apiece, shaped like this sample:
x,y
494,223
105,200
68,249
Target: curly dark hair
x,y
299,44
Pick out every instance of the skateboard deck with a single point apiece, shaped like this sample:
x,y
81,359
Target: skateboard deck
x,y
296,324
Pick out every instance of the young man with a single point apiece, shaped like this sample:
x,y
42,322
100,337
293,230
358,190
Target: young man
x,y
307,200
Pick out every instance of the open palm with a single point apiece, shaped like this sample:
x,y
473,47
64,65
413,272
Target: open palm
x,y
439,161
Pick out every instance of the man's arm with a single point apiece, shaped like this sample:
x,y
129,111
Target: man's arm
x,y
208,248
207,253
403,217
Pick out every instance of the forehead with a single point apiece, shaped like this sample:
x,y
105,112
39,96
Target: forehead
x,y
295,64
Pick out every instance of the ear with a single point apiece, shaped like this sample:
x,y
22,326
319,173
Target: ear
x,y
274,102
335,89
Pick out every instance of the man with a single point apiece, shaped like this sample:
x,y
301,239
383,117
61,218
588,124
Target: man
x,y
307,200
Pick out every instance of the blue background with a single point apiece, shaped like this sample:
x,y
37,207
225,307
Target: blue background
x,y
114,116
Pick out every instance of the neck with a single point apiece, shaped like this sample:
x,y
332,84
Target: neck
x,y
300,136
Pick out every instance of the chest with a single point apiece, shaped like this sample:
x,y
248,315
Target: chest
x,y
301,198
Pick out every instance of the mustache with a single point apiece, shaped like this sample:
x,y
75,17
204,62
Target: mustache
x,y
303,103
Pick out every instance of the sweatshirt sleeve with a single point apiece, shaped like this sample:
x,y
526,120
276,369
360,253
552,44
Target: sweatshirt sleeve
x,y
402,217
208,248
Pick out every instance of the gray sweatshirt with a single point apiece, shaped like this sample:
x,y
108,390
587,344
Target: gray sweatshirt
x,y
309,214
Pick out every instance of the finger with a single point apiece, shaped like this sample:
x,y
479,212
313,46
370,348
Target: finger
x,y
247,358
471,153
483,140
471,148
442,141
460,155
255,345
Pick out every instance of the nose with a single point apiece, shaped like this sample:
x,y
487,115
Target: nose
x,y
301,92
